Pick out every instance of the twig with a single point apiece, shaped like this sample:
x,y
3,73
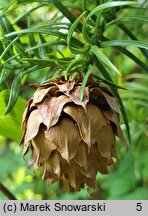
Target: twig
x,y
7,193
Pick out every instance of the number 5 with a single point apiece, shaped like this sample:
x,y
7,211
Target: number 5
x,y
139,207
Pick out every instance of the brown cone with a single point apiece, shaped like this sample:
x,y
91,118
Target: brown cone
x,y
71,139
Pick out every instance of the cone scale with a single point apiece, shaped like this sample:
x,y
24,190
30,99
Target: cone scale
x,y
72,140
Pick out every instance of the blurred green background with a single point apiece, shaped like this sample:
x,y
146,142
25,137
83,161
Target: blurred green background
x,y
128,179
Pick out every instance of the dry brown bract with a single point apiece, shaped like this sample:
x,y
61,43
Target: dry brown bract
x,y
71,139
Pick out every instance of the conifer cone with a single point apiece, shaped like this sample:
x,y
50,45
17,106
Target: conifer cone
x,y
71,139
